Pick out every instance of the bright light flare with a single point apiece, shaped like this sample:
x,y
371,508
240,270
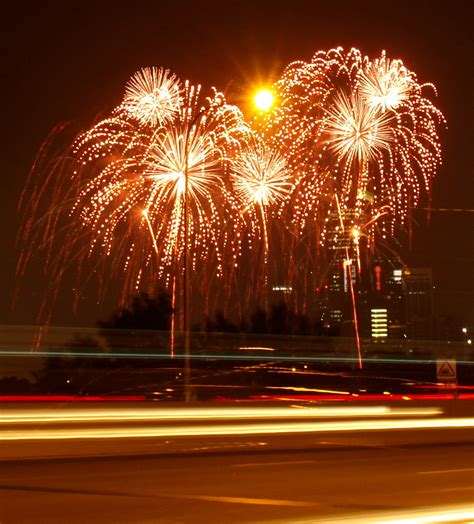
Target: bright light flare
x,y
264,100
355,234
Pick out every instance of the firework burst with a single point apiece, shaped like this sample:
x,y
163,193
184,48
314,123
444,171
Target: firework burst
x,y
152,96
386,84
355,127
261,181
361,139
123,183
356,131
260,176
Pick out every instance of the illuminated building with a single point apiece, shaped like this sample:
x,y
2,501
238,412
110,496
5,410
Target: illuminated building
x,y
378,323
381,301
283,289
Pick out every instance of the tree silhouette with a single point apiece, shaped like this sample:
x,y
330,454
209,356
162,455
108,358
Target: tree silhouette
x,y
258,321
145,312
221,324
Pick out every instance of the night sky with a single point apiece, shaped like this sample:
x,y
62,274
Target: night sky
x,y
69,63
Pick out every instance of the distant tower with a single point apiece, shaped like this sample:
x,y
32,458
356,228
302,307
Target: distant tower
x,y
418,286
335,297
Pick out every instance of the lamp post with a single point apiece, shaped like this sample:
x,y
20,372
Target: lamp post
x,y
186,262
186,289
263,100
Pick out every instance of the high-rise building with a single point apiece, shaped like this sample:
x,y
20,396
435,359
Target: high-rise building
x,y
392,301
379,296
418,288
334,300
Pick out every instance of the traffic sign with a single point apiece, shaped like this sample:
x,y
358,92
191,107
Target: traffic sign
x,y
446,370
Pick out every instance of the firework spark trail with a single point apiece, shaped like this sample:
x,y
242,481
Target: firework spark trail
x,y
347,270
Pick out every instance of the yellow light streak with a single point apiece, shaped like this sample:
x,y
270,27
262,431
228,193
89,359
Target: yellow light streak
x,y
256,348
71,415
431,515
235,429
335,392
249,500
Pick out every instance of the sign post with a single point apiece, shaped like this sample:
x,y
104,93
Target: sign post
x,y
446,373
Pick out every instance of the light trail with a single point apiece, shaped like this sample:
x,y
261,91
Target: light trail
x,y
363,397
254,501
256,348
442,471
183,414
311,390
431,515
234,429
347,268
239,356
446,209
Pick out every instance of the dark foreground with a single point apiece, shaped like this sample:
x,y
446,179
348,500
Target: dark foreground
x,y
313,486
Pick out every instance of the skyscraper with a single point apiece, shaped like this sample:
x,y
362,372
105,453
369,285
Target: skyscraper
x,y
418,287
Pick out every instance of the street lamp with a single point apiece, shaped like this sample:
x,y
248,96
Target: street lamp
x,y
186,268
187,392
263,99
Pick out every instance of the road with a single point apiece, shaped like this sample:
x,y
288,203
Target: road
x,y
230,462
251,486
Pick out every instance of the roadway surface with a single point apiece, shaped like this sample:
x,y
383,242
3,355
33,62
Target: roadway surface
x,y
231,463
313,486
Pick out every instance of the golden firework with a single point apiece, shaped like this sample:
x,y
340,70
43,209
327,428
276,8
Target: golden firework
x,y
152,96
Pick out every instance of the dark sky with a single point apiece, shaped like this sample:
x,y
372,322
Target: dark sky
x,y
70,61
